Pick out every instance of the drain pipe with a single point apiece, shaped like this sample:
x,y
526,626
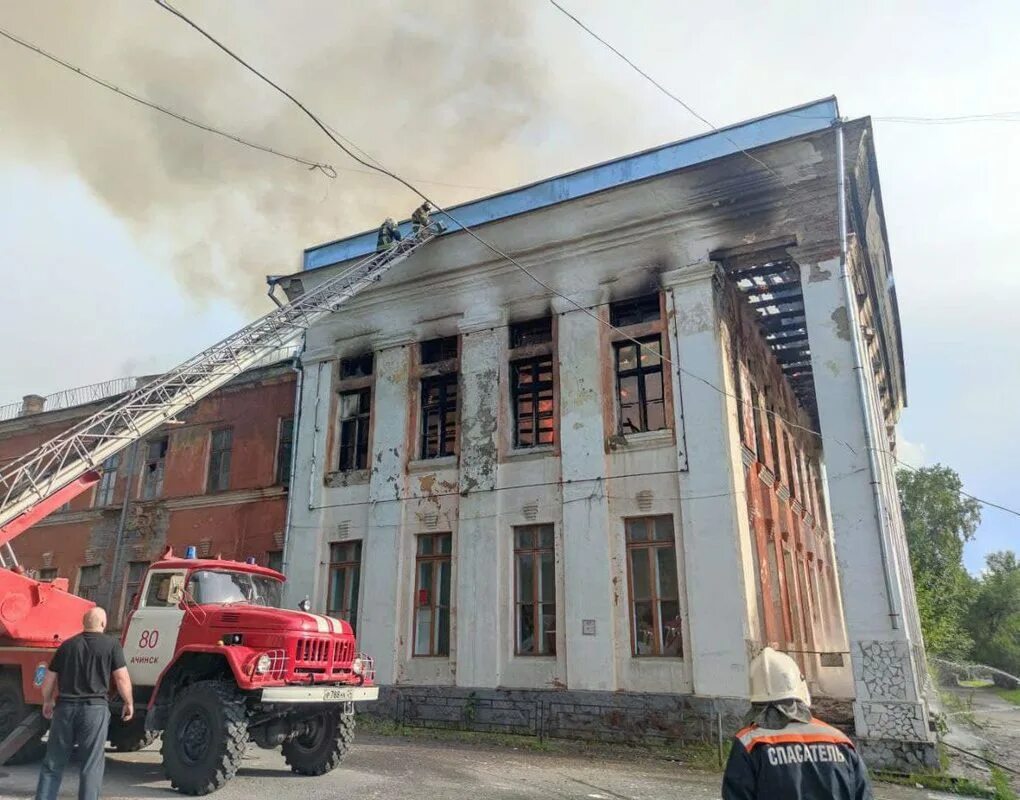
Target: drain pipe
x,y
862,386
121,524
298,396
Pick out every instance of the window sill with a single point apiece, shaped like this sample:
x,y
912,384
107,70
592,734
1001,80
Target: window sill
x,y
341,478
526,453
432,464
646,440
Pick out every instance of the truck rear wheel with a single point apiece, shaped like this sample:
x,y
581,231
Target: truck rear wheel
x,y
129,737
324,746
205,737
13,710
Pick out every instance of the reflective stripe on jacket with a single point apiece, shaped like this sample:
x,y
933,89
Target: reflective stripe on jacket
x,y
802,761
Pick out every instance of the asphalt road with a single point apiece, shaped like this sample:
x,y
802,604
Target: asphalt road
x,y
392,768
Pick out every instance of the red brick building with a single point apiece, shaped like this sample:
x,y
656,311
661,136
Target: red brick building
x,y
217,480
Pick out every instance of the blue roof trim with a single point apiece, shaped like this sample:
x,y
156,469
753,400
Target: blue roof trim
x,y
589,180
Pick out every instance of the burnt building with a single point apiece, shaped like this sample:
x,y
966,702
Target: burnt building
x,y
578,505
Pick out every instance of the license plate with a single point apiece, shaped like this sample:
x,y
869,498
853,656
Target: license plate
x,y
333,695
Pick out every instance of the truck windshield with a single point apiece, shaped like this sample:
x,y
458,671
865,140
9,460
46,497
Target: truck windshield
x,y
210,586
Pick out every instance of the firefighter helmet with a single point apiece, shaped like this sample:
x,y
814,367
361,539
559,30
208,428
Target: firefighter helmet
x,y
775,676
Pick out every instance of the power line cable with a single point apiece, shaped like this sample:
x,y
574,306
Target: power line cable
x,y
489,246
663,89
325,169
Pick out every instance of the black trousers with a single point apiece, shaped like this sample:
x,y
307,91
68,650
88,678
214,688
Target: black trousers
x,y
82,725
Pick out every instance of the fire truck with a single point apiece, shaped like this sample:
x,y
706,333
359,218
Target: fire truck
x,y
215,661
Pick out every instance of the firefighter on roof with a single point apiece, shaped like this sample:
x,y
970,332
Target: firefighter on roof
x,y
786,753
420,217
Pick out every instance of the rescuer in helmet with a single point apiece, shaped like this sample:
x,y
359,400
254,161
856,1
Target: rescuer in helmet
x,y
785,752
389,235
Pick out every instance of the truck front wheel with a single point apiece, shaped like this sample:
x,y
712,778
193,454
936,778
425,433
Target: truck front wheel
x,y
205,737
323,746
13,711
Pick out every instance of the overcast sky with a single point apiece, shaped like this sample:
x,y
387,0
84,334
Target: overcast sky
x,y
129,241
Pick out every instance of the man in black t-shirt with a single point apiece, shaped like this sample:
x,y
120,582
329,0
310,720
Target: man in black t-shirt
x,y
82,669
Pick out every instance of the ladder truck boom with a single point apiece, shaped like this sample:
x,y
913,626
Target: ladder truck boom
x,y
42,480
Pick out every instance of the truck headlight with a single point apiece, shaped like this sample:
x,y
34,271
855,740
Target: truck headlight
x,y
263,664
358,666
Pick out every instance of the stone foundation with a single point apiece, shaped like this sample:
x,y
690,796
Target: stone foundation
x,y
898,756
602,716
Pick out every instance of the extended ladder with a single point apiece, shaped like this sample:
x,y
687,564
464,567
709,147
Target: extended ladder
x,y
43,479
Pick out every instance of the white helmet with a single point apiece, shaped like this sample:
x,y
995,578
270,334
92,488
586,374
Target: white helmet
x,y
775,676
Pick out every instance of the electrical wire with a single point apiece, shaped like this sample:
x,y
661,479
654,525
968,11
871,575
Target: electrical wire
x,y
488,245
325,169
663,89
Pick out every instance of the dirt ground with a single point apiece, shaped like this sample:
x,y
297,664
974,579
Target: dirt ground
x,y
984,724
397,768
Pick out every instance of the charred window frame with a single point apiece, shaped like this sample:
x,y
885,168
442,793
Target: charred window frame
x,y
221,445
532,383
534,590
154,468
433,578
354,412
759,433
344,581
653,587
773,439
640,389
438,404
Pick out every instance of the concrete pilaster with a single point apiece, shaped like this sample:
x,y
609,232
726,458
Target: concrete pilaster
x,y
383,568
588,612
479,573
303,545
889,712
713,508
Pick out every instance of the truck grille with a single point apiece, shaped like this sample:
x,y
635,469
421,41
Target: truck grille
x,y
323,656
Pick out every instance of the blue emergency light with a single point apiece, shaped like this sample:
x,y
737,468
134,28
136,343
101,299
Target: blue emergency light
x,y
250,560
190,552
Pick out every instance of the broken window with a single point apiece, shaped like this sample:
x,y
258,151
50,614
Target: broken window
x,y
355,416
153,468
435,351
284,451
532,384
534,591
639,385
344,581
532,332
439,416
432,595
774,439
356,366
107,483
221,443
656,625
48,574
635,312
791,474
759,438
274,560
88,583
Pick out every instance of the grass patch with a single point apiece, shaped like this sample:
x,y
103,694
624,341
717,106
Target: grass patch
x,y
1013,695
940,782
693,755
1000,785
976,684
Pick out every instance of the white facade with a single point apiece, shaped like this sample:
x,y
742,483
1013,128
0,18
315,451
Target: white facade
x,y
656,238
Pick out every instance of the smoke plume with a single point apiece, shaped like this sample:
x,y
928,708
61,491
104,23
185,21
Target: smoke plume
x,y
458,93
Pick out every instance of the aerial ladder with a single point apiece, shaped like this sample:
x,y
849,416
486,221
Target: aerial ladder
x,y
34,614
41,481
